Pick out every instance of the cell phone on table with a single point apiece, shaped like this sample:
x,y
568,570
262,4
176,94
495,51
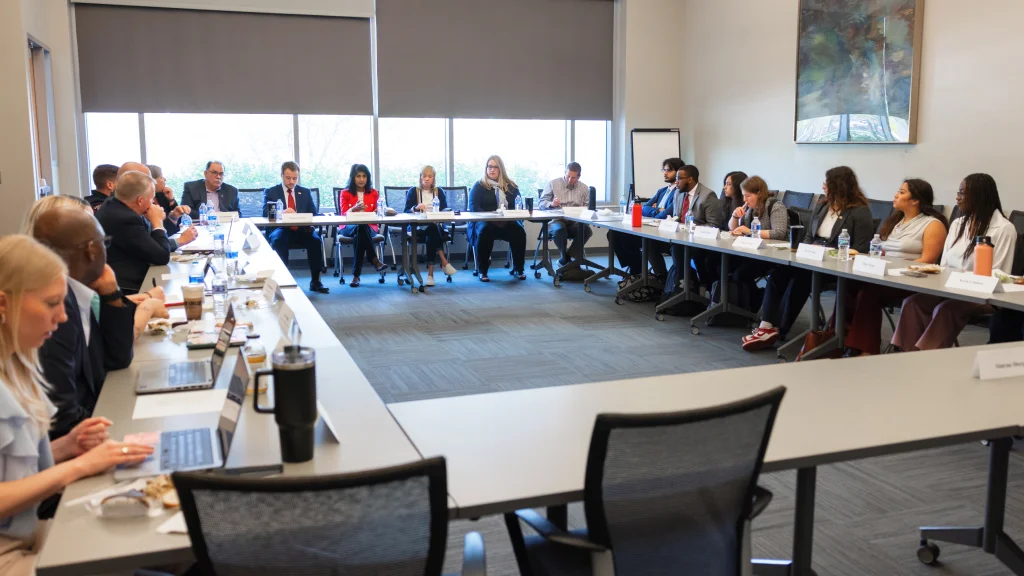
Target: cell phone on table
x,y
914,274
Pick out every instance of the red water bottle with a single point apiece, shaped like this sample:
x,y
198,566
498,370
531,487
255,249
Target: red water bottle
x,y
638,214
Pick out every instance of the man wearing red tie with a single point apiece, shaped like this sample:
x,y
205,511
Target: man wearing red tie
x,y
295,198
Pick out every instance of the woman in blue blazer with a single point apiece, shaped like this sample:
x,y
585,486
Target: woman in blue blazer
x,y
494,188
421,199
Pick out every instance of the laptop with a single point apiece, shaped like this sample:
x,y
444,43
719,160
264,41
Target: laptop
x,y
196,448
156,377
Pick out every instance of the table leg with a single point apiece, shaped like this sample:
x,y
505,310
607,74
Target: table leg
x,y
559,516
803,528
545,263
684,295
990,537
723,306
414,268
608,270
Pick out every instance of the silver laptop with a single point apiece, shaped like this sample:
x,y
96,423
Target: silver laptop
x,y
157,377
196,448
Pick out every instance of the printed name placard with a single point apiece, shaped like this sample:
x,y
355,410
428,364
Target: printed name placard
x,y
574,211
668,225
972,282
226,216
360,216
252,242
287,323
628,220
270,290
584,214
517,213
440,216
869,265
706,233
297,217
814,252
747,243
993,364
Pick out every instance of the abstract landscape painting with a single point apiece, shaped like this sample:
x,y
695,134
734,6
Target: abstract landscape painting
x,y
857,71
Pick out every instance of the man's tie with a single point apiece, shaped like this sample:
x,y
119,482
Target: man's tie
x,y
686,207
95,305
291,204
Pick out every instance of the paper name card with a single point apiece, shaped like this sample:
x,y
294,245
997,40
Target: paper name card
x,y
576,211
440,216
297,217
270,290
360,216
226,216
669,225
517,213
585,214
747,243
869,265
972,282
287,323
252,242
627,220
706,233
814,252
994,364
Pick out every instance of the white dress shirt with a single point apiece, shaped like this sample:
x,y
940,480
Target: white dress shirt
x,y
84,296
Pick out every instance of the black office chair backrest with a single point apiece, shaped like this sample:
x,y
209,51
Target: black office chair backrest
x,y
1017,267
394,197
666,491
250,202
880,209
457,197
315,195
797,199
954,214
1017,219
336,192
389,521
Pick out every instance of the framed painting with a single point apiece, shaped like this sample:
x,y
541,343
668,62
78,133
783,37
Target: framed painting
x,y
858,71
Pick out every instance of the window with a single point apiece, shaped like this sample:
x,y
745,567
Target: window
x,y
328,147
408,144
592,154
533,151
251,146
112,139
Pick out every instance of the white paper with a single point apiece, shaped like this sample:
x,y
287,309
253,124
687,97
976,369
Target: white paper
x,y
179,403
517,213
779,245
747,243
177,276
327,421
668,225
297,217
174,525
994,364
869,265
251,242
137,484
286,322
270,290
972,282
814,252
706,233
263,274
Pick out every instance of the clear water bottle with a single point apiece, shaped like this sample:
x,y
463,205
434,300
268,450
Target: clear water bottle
x,y
844,245
203,213
622,206
876,246
185,221
755,228
519,203
280,209
195,273
380,209
231,259
435,206
689,222
220,294
212,221
218,251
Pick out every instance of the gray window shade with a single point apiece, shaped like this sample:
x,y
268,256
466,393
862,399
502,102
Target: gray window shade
x,y
160,60
495,58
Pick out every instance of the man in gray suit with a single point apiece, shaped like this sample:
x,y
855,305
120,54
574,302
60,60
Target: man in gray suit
x,y
692,197
211,190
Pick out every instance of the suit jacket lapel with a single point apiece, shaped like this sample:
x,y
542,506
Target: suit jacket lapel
x,y
84,352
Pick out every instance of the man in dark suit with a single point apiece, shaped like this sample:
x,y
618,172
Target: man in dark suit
x,y
104,177
98,335
211,190
136,227
295,199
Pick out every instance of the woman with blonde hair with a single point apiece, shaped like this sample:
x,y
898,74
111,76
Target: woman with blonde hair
x,y
492,192
33,282
420,199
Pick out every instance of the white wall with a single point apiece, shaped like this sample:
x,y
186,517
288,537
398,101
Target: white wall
x,y
741,89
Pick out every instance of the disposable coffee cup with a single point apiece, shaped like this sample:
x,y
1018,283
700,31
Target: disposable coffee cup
x,y
796,234
193,296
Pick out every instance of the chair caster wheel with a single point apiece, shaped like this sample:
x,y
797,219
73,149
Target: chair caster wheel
x,y
335,274
401,282
781,360
380,280
659,317
393,267
448,279
694,330
423,289
928,553
586,288
342,281
618,301
507,265
465,266
412,288
557,281
475,273
536,275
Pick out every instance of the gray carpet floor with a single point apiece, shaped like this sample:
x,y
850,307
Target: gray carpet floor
x,y
470,338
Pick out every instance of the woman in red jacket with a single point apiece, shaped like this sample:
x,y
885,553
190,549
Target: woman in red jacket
x,y
359,196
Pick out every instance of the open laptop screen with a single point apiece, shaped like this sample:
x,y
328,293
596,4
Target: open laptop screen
x,y
223,341
233,404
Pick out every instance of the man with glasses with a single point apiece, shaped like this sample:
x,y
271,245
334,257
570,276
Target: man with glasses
x,y
561,192
627,247
211,190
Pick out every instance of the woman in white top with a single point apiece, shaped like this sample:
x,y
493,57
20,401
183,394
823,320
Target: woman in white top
x,y
420,199
929,322
914,231
33,282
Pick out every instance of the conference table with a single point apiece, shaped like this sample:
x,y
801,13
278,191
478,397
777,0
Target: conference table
x,y
528,448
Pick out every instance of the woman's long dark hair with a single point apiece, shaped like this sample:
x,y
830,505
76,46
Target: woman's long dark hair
x,y
981,200
737,196
922,192
357,169
842,190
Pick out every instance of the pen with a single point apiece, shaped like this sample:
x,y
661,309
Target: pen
x,y
154,282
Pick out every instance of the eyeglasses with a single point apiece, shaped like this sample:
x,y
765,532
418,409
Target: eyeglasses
x,y
960,194
215,173
666,170
492,167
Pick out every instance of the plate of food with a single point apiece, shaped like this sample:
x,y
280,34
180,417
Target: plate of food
x,y
834,252
925,268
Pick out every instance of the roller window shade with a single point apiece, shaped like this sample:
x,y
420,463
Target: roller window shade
x,y
545,59
164,60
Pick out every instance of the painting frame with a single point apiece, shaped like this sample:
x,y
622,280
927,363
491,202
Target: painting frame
x,y
915,81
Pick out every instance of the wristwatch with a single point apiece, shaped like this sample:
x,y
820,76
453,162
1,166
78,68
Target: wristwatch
x,y
114,296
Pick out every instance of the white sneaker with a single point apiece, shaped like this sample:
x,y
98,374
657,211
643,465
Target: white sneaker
x,y
450,270
430,280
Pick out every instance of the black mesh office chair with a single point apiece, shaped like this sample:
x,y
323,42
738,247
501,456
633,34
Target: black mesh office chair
x,y
250,202
800,200
340,240
880,210
394,198
390,521
664,494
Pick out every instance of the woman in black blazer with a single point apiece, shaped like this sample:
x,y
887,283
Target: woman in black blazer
x,y
484,197
844,207
421,199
